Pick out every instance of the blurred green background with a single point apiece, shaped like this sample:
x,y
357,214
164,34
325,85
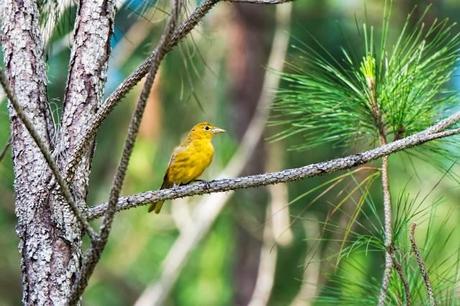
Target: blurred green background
x,y
217,75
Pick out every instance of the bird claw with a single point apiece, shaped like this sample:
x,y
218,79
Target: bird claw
x,y
207,185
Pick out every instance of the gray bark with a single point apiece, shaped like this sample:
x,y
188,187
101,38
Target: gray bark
x,y
45,262
85,84
50,235
284,176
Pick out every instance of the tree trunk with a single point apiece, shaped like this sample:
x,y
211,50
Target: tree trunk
x,y
50,236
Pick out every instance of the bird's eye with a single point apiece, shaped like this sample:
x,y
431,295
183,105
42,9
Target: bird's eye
x,y
206,128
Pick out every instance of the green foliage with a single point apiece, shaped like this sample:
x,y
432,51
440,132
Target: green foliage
x,y
351,283
326,101
403,85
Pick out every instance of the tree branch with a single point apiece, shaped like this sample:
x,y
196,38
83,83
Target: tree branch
x,y
47,155
283,176
389,262
444,124
110,103
421,265
85,83
399,270
98,246
376,112
389,248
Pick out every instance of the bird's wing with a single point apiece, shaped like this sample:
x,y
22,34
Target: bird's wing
x,y
177,151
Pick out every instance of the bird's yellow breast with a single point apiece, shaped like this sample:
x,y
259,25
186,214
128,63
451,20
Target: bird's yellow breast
x,y
189,161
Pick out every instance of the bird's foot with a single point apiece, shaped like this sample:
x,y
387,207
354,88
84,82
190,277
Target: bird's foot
x,y
207,185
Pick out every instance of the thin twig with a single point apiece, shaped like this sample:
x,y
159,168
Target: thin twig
x,y
402,277
5,149
110,103
388,232
64,188
380,125
421,265
287,175
98,246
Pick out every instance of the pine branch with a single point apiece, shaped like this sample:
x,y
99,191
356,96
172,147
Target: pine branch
x,y
368,69
444,124
64,188
421,265
399,270
98,246
411,77
110,103
283,176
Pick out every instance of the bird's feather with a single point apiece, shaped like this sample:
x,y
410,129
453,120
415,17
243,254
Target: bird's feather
x,y
189,160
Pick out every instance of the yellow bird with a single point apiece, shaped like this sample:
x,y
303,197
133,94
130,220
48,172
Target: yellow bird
x,y
190,158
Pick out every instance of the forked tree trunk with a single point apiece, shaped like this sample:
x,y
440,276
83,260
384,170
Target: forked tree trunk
x,y
50,236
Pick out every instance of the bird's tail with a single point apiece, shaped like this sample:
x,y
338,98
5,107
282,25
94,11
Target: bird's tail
x,y
157,205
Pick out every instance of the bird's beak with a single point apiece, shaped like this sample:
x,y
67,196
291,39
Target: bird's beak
x,y
216,130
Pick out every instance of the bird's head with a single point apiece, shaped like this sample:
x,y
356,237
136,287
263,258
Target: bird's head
x,y
205,130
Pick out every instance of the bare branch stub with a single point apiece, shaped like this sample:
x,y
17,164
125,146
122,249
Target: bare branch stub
x,y
421,265
95,251
283,176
